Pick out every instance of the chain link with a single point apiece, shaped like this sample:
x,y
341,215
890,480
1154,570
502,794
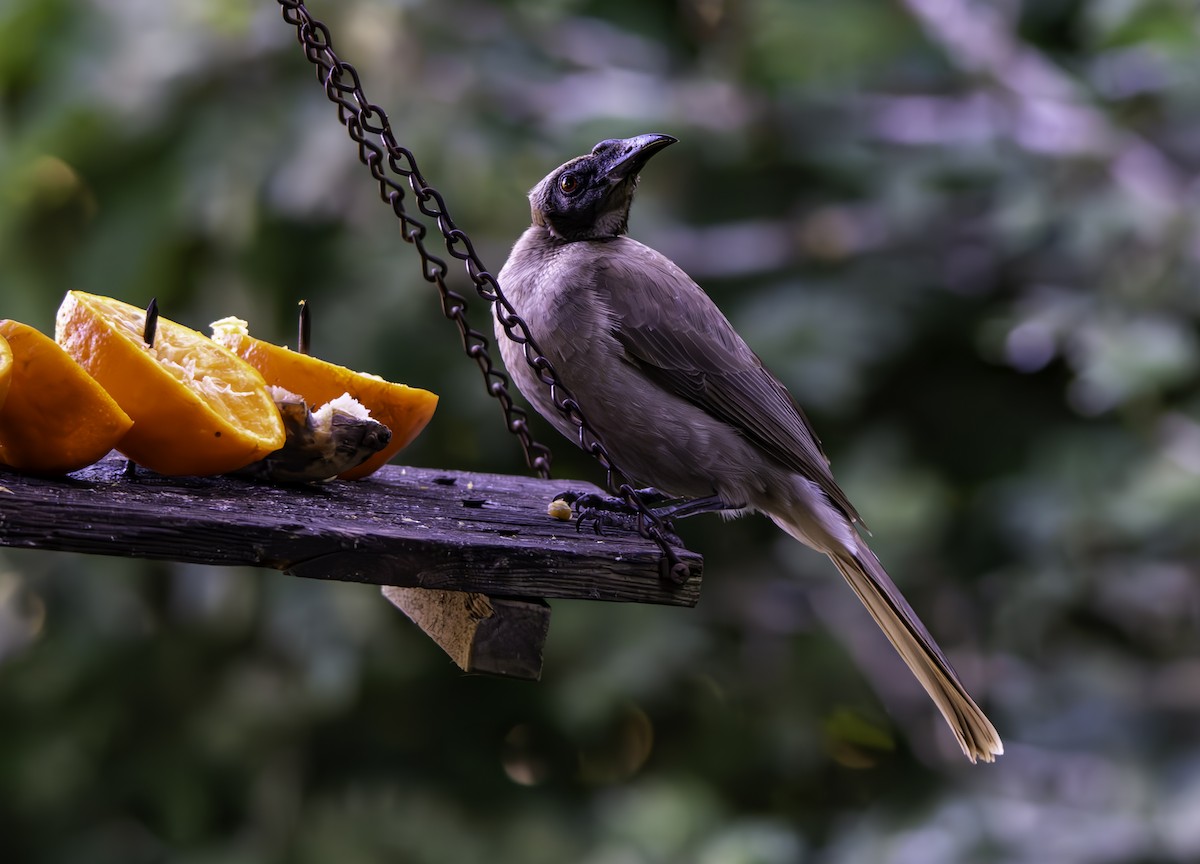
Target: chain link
x,y
369,127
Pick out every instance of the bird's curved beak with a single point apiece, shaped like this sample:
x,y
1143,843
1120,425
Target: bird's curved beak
x,y
628,155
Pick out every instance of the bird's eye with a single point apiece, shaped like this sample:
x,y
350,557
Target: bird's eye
x,y
569,184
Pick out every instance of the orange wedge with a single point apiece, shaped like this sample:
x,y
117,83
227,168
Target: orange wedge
x,y
6,365
197,408
56,418
404,410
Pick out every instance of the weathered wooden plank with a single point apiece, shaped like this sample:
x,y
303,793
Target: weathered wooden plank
x,y
410,527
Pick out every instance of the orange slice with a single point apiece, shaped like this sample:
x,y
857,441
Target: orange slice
x,y
197,408
6,365
404,410
56,418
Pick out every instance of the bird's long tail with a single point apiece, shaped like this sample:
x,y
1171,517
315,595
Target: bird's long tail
x,y
975,733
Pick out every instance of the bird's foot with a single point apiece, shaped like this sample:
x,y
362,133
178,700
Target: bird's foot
x,y
611,511
610,503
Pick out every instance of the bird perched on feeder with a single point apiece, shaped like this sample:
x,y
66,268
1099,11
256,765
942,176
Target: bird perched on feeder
x,y
679,400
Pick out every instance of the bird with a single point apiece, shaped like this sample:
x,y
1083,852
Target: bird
x,y
678,399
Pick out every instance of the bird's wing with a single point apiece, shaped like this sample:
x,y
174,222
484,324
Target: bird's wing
x,y
674,333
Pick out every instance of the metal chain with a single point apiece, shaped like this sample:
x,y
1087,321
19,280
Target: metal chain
x,y
361,119
378,149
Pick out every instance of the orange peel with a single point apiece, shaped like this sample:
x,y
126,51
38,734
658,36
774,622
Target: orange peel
x,y
404,410
56,418
197,407
6,364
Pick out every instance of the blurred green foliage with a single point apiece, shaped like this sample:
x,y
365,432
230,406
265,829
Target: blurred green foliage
x,y
965,234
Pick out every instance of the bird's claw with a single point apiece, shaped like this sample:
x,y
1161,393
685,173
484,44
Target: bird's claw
x,y
602,511
609,511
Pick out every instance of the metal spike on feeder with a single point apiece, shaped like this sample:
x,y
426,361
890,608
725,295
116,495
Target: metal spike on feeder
x,y
304,336
151,327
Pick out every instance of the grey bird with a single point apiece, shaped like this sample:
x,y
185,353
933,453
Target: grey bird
x,y
680,401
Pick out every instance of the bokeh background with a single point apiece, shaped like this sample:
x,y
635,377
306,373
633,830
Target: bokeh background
x,y
963,232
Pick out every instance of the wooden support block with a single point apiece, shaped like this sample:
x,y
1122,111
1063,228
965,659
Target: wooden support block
x,y
490,635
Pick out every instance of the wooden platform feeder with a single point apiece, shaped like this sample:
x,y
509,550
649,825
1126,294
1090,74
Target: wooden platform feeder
x,y
470,558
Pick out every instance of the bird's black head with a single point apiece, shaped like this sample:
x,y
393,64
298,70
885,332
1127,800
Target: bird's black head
x,y
588,198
